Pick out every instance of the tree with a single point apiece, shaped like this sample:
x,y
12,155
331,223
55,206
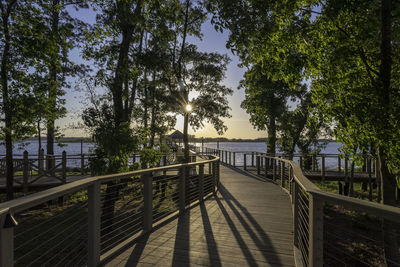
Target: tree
x,y
197,72
265,101
62,33
348,50
19,29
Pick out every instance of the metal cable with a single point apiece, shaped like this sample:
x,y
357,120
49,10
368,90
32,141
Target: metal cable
x,y
69,209
55,236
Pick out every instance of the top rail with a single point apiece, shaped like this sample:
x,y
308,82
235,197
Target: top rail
x,y
40,197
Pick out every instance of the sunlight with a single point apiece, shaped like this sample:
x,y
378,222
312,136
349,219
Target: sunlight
x,y
188,107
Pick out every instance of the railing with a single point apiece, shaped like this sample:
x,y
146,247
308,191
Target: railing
x,y
31,170
331,229
84,222
335,230
363,182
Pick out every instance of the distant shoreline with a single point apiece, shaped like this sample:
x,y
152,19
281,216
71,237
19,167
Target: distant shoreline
x,y
191,140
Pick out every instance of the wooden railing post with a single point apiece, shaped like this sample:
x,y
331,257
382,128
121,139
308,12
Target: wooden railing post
x,y
226,157
244,162
182,187
301,162
369,169
274,169
314,165
82,164
216,176
316,228
148,201
6,242
339,162
323,167
41,161
378,179
234,159
25,172
222,156
266,167
295,201
258,164
201,182
282,174
94,215
252,159
64,167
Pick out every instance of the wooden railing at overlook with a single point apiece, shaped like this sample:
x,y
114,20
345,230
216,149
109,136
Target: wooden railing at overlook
x,y
330,229
38,172
86,221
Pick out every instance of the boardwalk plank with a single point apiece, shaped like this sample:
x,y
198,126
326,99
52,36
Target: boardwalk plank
x,y
248,222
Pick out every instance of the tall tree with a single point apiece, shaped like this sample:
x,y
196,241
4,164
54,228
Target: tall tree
x,y
196,72
348,51
63,32
19,29
265,101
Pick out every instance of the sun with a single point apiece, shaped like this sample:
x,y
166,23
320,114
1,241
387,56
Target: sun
x,y
188,107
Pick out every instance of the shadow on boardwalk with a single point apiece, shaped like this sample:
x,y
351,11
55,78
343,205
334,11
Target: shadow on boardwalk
x,y
248,223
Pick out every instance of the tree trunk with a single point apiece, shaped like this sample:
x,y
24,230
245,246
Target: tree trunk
x,y
153,111
186,138
388,179
271,140
52,93
351,192
6,102
120,76
39,137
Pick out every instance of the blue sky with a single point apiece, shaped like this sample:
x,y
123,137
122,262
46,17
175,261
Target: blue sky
x,y
212,41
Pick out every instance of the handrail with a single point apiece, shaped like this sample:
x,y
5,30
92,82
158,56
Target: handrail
x,y
386,211
101,195
310,247
29,201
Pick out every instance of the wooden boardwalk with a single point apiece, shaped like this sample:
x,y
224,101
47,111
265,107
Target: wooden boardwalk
x,y
247,223
316,175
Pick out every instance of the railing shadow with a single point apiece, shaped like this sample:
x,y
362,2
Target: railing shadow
x,y
212,247
181,249
242,214
137,252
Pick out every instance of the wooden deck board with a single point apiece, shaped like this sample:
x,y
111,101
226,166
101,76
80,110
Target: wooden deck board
x,y
248,222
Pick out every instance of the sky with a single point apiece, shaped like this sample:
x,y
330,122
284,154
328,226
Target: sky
x,y
212,41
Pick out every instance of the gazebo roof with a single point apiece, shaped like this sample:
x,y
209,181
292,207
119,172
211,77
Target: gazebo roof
x,y
176,135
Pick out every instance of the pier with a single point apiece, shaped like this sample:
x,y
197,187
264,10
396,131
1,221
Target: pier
x,y
207,213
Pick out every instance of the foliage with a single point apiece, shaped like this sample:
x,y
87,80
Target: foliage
x,y
151,156
113,144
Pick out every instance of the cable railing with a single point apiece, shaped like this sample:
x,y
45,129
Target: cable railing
x,y
84,222
331,229
329,171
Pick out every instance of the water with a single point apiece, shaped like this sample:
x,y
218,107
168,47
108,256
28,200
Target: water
x,y
240,147
331,148
74,148
71,148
